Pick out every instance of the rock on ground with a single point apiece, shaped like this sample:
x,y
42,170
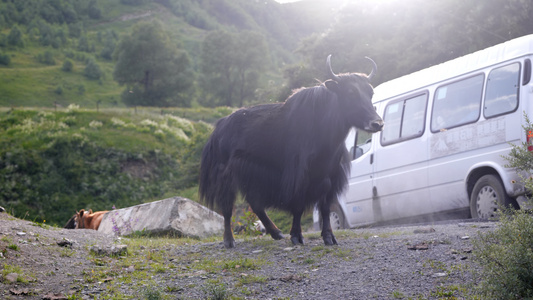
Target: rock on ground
x,y
175,216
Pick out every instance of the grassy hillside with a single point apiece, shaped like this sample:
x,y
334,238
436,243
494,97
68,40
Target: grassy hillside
x,y
56,157
54,163
27,81
35,75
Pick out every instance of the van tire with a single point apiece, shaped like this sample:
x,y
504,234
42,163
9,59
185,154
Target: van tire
x,y
487,196
336,218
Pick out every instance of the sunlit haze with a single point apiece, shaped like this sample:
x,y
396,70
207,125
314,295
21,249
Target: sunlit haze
x,y
287,1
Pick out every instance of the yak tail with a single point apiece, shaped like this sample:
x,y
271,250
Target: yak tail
x,y
215,187
208,166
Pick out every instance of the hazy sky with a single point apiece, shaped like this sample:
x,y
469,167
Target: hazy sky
x,y
286,1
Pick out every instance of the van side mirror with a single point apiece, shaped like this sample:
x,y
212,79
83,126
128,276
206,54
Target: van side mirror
x,y
358,152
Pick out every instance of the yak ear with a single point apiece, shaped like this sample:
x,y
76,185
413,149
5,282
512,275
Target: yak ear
x,y
332,85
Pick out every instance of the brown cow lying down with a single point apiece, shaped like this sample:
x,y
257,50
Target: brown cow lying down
x,y
89,220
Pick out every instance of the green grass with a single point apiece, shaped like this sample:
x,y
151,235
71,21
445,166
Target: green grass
x,y
27,82
110,155
22,277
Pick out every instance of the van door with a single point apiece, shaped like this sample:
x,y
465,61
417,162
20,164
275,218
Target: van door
x,y
401,158
358,196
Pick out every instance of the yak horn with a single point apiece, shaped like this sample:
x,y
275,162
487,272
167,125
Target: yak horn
x,y
331,74
374,68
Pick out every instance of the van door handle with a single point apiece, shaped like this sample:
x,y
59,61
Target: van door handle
x,y
371,158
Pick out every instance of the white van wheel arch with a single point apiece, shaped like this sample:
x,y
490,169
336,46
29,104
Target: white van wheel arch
x,y
487,196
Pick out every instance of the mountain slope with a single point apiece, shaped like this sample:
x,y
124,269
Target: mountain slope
x,y
35,75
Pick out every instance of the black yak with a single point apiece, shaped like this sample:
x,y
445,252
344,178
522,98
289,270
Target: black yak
x,y
288,155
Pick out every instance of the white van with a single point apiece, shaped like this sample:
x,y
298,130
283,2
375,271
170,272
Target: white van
x,y
446,130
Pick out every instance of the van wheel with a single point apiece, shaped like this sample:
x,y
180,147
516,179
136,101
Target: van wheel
x,y
487,196
336,218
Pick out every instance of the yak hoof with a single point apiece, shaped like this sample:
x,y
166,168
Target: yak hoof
x,y
297,239
277,235
329,239
229,243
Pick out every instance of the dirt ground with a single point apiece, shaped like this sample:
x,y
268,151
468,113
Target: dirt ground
x,y
401,262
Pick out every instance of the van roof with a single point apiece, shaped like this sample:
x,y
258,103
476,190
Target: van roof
x,y
471,62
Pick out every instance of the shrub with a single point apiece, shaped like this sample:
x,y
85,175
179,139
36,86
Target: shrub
x,y
520,157
67,66
54,163
47,58
81,89
506,258
15,37
92,70
506,254
59,90
5,59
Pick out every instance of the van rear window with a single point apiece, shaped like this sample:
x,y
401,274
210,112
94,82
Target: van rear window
x,y
501,95
457,103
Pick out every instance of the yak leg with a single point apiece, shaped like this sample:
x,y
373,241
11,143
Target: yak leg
x,y
270,227
296,229
327,232
226,201
324,205
229,240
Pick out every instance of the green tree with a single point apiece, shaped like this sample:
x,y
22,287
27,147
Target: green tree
x,y
92,70
133,2
67,66
109,45
93,10
154,71
15,37
5,59
405,38
47,58
231,64
83,44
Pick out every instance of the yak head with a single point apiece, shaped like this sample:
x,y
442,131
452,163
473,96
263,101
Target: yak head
x,y
355,95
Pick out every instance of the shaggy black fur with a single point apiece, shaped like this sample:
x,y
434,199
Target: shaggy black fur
x,y
287,155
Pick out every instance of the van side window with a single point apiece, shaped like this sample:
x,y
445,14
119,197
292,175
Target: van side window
x,y
501,95
457,103
363,143
405,119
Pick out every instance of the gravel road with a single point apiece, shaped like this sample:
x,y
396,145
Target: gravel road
x,y
399,262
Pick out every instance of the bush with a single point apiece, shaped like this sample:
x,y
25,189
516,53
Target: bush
x,y
92,70
47,58
506,255
506,258
59,90
15,37
5,59
81,89
67,66
54,163
133,2
520,157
